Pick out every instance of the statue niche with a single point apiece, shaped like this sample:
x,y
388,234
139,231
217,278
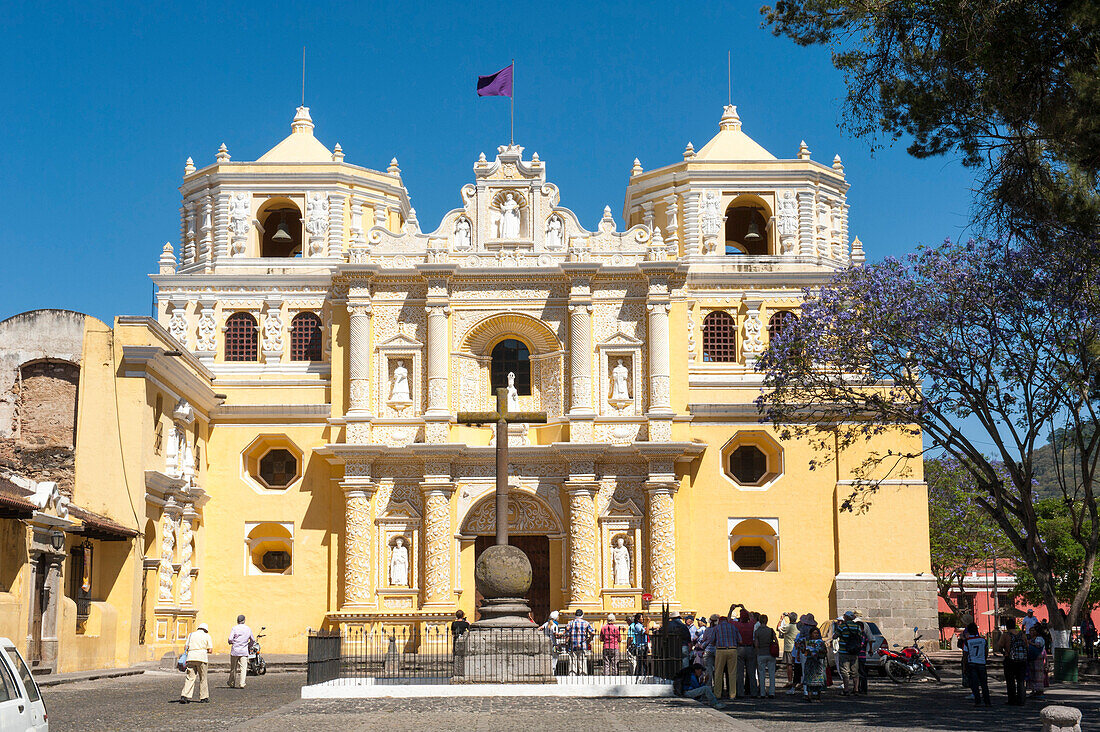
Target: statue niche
x,y
509,216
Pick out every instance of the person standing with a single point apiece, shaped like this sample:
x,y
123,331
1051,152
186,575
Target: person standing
x,y
813,671
1088,634
766,644
707,643
240,644
610,637
580,632
637,644
552,631
1013,647
849,636
788,631
1036,663
977,649
197,648
1029,621
725,659
746,654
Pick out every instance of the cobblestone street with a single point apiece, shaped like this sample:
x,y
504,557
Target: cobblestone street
x,y
272,704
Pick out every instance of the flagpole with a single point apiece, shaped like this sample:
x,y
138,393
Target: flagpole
x,y
512,98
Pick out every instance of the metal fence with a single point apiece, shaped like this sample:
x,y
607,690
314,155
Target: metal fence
x,y
401,654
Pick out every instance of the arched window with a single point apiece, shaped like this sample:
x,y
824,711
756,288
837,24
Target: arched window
x,y
305,337
282,229
240,337
746,231
511,356
779,322
719,337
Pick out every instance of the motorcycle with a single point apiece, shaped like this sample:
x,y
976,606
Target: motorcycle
x,y
257,666
908,663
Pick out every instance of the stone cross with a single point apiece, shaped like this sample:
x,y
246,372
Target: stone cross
x,y
502,417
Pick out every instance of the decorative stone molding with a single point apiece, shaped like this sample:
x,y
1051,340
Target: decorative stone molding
x,y
186,545
167,555
358,589
240,223
659,365
272,340
437,361
527,514
437,543
580,358
583,565
315,223
753,344
662,540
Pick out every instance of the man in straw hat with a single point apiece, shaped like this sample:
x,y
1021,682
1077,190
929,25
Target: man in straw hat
x,y
198,646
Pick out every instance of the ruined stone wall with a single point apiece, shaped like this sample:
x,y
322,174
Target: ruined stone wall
x,y
40,356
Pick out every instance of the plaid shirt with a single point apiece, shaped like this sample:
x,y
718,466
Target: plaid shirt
x,y
725,634
580,632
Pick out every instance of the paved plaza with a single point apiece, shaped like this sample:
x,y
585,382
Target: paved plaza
x,y
271,703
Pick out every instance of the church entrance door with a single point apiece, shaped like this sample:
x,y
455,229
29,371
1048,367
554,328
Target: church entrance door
x,y
537,549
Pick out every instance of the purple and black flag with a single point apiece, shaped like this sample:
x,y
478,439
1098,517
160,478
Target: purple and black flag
x,y
496,85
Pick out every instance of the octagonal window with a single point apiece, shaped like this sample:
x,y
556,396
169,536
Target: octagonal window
x,y
748,464
752,459
272,463
275,561
750,557
278,468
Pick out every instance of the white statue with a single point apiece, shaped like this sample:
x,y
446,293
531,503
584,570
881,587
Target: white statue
x,y
620,563
399,564
462,233
513,394
509,218
317,214
239,217
711,220
555,234
399,384
619,388
788,215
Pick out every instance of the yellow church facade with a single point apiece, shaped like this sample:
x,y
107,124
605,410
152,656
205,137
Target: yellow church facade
x,y
291,449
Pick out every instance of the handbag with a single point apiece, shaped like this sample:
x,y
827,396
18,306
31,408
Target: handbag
x,y
774,648
181,661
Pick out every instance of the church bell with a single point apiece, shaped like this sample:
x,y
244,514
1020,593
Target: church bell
x,y
753,234
282,234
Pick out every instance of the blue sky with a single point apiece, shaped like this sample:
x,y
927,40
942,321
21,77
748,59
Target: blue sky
x,y
105,102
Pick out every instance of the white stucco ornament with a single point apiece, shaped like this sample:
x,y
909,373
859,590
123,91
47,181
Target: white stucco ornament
x,y
239,215
711,219
513,393
620,391
317,214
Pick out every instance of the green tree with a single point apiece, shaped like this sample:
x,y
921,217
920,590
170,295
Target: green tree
x,y
1010,86
1067,558
961,536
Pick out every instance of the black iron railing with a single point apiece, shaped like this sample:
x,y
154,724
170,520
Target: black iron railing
x,y
401,654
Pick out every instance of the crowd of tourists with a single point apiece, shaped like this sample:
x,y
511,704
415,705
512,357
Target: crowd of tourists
x,y
721,656
1024,650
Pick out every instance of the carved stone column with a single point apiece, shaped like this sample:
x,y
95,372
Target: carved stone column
x,y
753,344
358,536
659,367
206,252
662,540
437,543
584,572
221,227
359,356
165,573
437,361
185,540
580,358
335,232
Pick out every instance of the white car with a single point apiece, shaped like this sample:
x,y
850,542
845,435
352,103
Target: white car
x,y
21,705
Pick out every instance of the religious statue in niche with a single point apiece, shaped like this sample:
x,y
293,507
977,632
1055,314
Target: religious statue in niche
x,y
620,387
620,563
399,385
399,563
513,393
555,233
509,218
462,234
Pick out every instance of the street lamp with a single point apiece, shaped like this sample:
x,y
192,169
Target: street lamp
x,y
57,541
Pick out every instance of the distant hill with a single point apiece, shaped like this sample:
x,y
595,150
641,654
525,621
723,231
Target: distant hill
x,y
1045,465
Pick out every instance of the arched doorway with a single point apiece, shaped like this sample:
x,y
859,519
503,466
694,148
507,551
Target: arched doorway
x,y
534,528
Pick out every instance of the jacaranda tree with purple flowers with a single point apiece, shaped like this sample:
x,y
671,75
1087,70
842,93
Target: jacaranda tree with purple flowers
x,y
1004,338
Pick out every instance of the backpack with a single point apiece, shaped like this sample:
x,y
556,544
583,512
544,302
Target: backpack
x,y
1017,647
850,637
